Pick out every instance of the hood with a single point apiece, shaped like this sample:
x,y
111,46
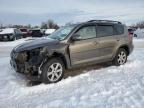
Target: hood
x,y
37,43
7,31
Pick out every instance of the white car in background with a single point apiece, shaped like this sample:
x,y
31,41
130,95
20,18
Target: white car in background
x,y
10,34
49,31
139,33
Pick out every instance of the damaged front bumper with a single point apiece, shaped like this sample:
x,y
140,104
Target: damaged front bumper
x,y
30,75
26,63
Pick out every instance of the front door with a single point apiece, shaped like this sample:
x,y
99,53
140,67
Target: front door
x,y
85,49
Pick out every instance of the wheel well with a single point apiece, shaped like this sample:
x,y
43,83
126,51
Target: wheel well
x,y
61,56
126,48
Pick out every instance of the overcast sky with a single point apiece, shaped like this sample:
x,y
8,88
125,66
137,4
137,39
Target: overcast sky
x,y
63,11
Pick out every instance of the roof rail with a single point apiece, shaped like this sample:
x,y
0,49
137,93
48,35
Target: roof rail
x,y
109,21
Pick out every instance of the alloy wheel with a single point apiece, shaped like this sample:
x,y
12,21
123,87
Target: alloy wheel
x,y
54,72
122,57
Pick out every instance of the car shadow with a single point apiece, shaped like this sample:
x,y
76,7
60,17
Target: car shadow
x,y
76,71
84,69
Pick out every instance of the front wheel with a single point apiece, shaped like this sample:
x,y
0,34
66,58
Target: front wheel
x,y
121,57
53,71
13,39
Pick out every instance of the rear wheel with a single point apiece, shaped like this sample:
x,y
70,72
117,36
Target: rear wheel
x,y
53,71
121,57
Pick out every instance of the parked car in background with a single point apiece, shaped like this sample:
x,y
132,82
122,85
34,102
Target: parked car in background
x,y
10,34
36,33
43,31
49,31
72,46
24,32
139,33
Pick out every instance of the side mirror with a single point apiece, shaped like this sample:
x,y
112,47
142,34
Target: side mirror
x,y
76,37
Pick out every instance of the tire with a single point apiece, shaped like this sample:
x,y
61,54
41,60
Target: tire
x,y
51,73
121,57
13,39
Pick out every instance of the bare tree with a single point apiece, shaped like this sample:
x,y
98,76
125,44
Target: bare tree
x,y
69,23
29,26
138,25
50,24
44,25
36,27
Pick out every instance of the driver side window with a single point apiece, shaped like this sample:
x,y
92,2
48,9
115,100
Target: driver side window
x,y
86,32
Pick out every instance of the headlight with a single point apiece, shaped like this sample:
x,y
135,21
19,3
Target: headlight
x,y
22,56
11,36
25,56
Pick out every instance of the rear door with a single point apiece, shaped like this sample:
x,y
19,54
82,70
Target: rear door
x,y
85,49
107,40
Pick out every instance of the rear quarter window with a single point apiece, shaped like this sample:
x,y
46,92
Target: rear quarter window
x,y
105,30
118,29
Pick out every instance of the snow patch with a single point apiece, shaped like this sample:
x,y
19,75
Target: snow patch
x,y
111,87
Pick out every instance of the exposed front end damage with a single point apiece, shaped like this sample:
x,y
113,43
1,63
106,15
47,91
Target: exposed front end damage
x,y
31,57
28,62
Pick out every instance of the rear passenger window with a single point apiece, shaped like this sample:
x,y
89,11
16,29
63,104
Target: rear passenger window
x,y
105,30
119,29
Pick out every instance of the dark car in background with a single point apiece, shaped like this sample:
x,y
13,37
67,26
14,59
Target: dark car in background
x,y
36,33
10,34
24,32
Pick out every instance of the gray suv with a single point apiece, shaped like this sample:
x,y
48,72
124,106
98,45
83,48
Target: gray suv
x,y
73,46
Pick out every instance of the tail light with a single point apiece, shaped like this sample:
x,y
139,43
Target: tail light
x,y
130,35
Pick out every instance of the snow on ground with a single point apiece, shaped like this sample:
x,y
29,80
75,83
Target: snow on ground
x,y
139,43
14,43
140,33
6,47
110,87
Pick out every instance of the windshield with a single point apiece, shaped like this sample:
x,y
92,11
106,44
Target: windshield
x,y
61,33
